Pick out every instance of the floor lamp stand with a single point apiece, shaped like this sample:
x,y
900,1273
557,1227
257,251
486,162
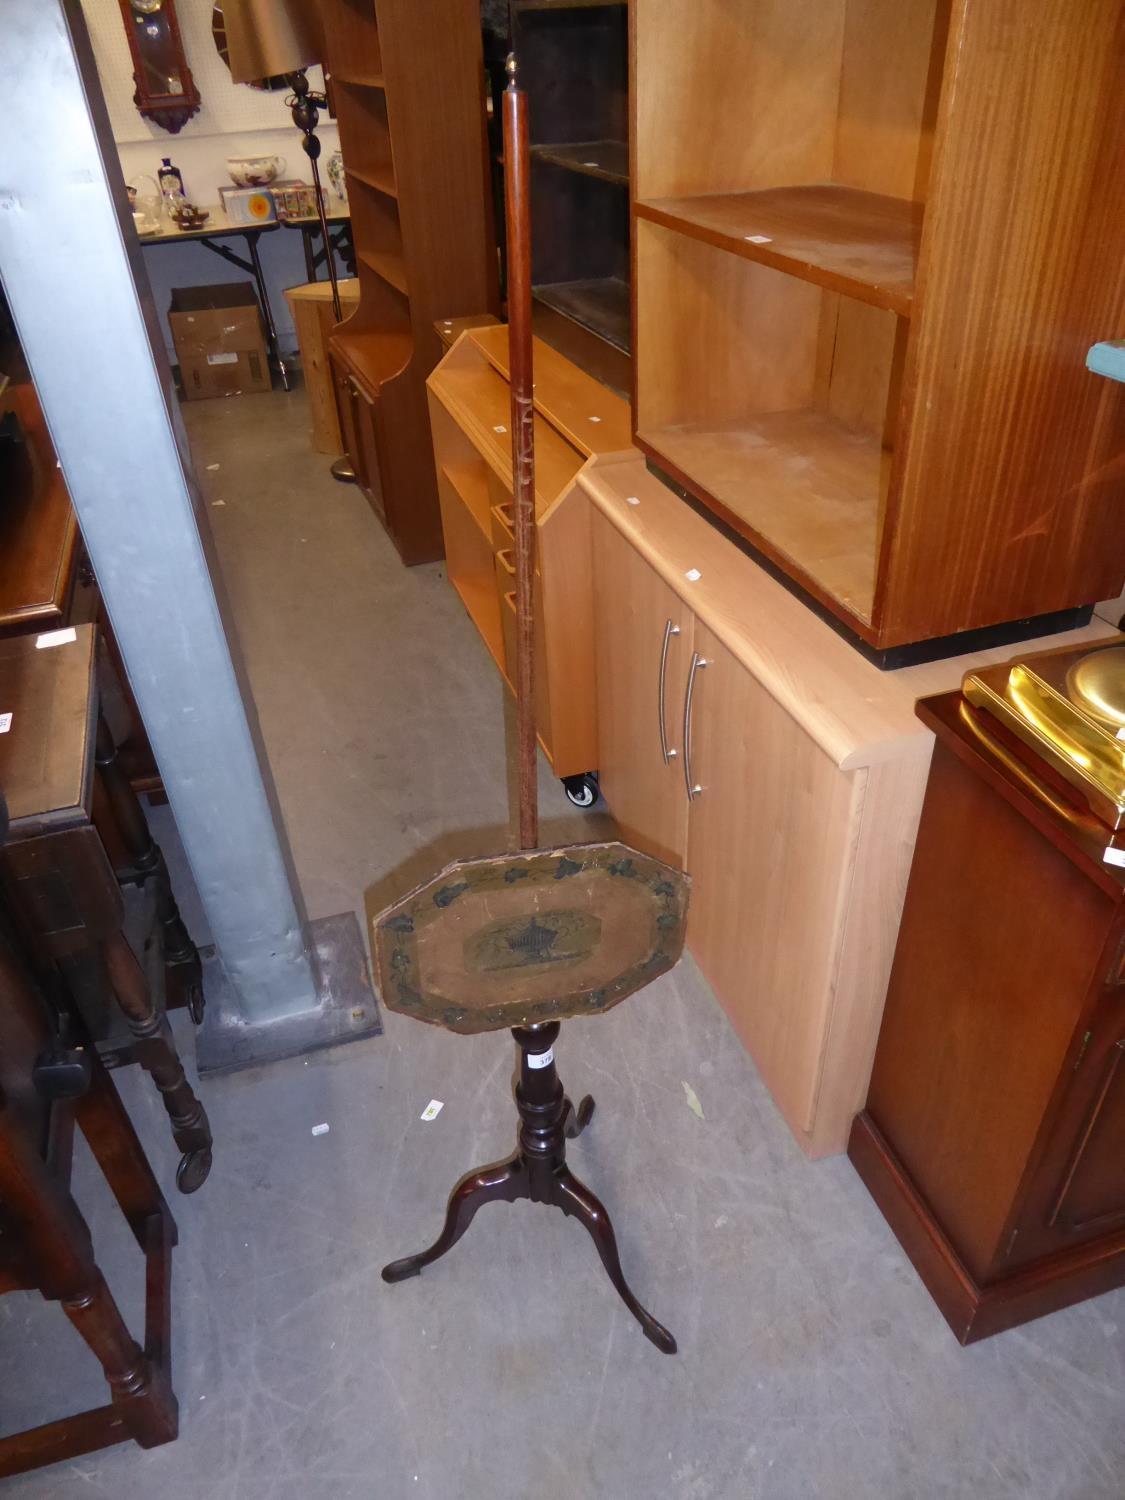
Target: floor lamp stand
x,y
306,107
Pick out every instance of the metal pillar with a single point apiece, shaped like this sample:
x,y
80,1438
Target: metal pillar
x,y
72,272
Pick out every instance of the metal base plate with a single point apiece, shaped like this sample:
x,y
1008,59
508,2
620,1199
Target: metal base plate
x,y
347,1008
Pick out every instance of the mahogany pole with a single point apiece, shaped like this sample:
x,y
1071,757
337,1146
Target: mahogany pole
x,y
517,204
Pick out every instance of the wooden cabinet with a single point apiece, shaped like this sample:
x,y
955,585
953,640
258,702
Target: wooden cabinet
x,y
314,322
409,97
806,767
994,1132
869,261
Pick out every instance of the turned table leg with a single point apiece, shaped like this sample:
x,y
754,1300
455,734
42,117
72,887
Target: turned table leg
x,y
59,1246
156,1053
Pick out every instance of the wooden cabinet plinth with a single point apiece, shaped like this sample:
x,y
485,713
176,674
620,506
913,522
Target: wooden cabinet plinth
x,y
994,1132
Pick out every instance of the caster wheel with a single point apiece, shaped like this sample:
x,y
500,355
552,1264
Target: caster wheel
x,y
581,790
196,1004
193,1169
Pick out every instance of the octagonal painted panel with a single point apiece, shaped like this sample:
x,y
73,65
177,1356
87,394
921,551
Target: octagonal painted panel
x,y
517,939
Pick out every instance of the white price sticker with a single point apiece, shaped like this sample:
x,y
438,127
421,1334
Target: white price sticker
x,y
432,1110
5,723
56,638
1114,856
541,1059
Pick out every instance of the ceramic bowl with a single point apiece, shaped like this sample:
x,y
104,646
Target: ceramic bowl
x,y
255,171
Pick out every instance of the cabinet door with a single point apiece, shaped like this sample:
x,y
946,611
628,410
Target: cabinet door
x,y
1079,1191
643,633
346,407
367,434
771,842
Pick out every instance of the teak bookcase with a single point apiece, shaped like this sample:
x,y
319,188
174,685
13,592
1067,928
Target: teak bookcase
x,y
408,86
573,62
577,421
873,241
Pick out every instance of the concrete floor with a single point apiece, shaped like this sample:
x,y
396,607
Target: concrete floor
x,y
812,1363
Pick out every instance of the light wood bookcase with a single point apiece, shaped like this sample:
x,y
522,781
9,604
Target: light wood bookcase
x,y
577,421
873,240
408,87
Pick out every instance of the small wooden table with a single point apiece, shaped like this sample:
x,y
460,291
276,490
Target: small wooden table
x,y
524,941
45,1244
69,801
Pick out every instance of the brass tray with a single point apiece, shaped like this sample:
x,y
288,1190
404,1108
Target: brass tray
x,y
1069,706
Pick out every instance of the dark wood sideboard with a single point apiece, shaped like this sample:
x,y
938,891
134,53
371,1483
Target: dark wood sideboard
x,y
993,1139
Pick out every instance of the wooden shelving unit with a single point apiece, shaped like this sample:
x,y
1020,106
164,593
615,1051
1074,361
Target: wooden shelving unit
x,y
408,89
573,63
577,423
868,264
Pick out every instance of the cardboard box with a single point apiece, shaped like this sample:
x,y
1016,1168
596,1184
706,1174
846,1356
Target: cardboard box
x,y
248,205
217,332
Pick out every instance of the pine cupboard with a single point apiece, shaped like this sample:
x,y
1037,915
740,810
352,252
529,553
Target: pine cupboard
x,y
741,737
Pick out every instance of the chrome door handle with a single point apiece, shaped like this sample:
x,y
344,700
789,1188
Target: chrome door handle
x,y
693,789
669,631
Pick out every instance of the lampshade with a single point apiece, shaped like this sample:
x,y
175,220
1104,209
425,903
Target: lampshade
x,y
268,37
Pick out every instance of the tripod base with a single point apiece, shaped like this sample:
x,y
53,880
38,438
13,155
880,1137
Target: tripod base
x,y
537,1170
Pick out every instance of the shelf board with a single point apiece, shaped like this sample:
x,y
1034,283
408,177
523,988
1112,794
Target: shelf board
x,y
478,596
470,483
862,244
360,80
388,266
566,4
382,182
373,355
803,485
602,306
606,160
